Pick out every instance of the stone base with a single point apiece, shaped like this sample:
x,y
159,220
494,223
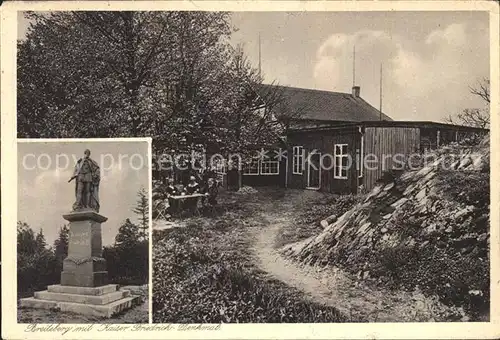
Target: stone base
x,y
92,279
83,290
104,301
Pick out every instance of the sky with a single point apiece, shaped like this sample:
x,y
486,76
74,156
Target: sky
x,y
429,59
44,193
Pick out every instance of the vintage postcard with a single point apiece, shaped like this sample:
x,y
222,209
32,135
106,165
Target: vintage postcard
x,y
83,231
255,169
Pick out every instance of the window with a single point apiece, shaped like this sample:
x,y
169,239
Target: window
x,y
252,167
219,165
341,161
269,167
298,160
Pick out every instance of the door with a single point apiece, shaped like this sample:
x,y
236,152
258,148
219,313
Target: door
x,y
314,171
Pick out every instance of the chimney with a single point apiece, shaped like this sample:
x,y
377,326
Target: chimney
x,y
355,91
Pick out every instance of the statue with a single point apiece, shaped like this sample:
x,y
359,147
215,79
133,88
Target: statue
x,y
87,175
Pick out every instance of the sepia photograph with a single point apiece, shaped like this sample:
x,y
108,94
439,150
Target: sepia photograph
x,y
306,167
83,232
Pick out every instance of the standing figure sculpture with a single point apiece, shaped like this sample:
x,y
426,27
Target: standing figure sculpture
x,y
87,176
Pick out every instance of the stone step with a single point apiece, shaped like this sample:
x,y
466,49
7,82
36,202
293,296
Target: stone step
x,y
105,311
87,299
101,290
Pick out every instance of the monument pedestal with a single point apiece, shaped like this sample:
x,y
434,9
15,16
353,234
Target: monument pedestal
x,y
84,287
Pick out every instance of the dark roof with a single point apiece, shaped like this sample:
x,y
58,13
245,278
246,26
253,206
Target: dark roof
x,y
329,106
393,123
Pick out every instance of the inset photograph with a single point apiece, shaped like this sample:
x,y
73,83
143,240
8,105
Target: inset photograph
x,y
83,231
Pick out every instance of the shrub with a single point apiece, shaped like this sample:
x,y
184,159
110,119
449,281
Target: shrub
x,y
36,271
36,264
477,191
451,276
127,266
200,276
334,205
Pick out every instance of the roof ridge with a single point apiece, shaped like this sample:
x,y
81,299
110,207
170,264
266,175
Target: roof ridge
x,y
373,107
309,90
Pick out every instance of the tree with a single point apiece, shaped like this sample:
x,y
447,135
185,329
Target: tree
x,y
115,73
128,258
128,235
475,117
40,241
26,243
36,267
61,244
170,75
142,209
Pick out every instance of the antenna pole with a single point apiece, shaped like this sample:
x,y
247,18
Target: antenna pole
x,y
260,69
354,66
380,91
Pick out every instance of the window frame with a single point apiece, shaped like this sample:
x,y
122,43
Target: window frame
x,y
269,162
339,158
298,160
361,161
246,167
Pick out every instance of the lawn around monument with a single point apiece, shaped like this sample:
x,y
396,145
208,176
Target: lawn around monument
x,y
138,314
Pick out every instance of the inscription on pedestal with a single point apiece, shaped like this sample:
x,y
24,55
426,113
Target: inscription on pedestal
x,y
84,265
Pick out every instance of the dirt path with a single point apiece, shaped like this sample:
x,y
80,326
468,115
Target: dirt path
x,y
331,286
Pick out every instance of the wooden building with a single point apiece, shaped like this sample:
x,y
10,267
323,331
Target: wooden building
x,y
306,108
355,155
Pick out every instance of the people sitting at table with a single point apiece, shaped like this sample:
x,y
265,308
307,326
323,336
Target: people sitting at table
x,y
171,190
191,188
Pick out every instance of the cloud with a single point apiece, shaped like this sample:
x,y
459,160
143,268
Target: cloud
x,y
422,80
454,34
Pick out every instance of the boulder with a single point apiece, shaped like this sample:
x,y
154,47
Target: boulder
x,y
421,194
431,228
424,171
387,216
389,186
323,224
399,202
331,219
464,163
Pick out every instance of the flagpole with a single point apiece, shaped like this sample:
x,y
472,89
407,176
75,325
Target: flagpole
x,y
380,91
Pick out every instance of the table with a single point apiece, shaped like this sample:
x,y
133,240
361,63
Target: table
x,y
179,198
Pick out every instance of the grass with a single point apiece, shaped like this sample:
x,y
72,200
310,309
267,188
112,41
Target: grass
x,y
310,212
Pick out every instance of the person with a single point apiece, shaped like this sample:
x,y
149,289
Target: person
x,y
192,188
87,175
170,190
209,173
212,192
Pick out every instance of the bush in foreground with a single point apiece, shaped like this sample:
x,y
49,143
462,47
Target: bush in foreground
x,y
198,279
